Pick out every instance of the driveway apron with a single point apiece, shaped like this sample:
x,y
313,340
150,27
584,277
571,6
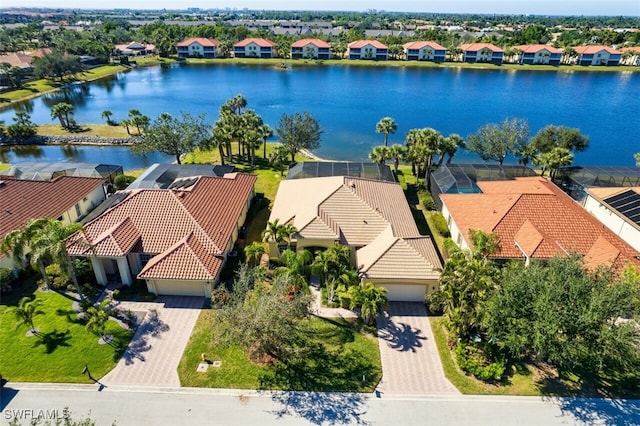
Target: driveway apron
x,y
153,355
410,360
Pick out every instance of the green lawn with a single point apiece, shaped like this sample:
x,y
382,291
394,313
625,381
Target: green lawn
x,y
99,130
345,356
63,348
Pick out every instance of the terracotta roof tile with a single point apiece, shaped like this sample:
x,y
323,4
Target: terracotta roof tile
x,y
358,44
475,47
24,200
423,44
314,41
258,41
590,50
209,42
534,48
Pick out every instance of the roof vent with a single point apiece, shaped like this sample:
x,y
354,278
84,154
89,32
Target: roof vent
x,y
2,183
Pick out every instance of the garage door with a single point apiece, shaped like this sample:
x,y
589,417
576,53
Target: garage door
x,y
180,288
405,292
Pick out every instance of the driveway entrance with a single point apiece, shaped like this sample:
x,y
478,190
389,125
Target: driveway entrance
x,y
410,360
153,355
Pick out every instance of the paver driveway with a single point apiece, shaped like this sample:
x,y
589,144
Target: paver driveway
x,y
154,352
410,360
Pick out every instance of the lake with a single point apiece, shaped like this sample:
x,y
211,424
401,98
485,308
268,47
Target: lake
x,y
348,101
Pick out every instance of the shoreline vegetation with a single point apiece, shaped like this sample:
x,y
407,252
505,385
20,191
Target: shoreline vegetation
x,y
36,88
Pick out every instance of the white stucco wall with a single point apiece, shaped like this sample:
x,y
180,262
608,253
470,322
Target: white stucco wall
x,y
613,221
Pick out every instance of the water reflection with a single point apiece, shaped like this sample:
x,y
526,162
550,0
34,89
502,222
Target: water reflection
x,y
21,151
70,152
75,94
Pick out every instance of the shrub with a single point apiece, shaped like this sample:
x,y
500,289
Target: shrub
x,y
219,297
441,224
122,181
473,361
58,278
450,246
427,200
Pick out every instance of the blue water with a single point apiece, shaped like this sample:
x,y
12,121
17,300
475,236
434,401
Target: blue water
x,y
348,101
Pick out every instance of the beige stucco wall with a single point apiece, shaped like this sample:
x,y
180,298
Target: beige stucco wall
x,y
155,285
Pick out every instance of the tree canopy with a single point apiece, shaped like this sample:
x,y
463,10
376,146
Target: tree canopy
x,y
299,131
496,141
55,65
559,137
174,136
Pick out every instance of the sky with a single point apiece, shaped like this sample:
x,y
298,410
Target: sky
x,y
536,7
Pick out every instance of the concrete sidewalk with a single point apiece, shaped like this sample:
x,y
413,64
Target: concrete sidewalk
x,y
322,311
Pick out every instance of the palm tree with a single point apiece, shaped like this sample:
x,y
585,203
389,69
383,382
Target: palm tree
x,y
106,114
386,126
288,230
397,152
266,131
97,317
126,123
61,111
279,156
17,243
26,310
370,299
448,147
273,231
51,243
254,251
379,154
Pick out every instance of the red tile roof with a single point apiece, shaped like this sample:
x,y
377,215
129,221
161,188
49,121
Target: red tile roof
x,y
258,41
535,216
209,42
589,50
358,44
23,59
633,49
23,200
474,47
156,220
534,48
315,41
422,44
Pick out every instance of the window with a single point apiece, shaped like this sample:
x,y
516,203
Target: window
x,y
459,239
78,212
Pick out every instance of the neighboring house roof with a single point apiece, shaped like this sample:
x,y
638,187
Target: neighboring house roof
x,y
24,200
258,41
423,44
23,59
534,48
312,169
208,42
163,175
154,221
534,216
475,47
134,46
588,50
633,49
358,44
370,214
315,41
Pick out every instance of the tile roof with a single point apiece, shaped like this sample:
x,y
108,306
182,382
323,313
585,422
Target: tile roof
x,y
422,44
362,43
534,48
209,42
540,218
23,59
474,47
23,200
315,41
258,41
185,260
207,211
588,50
358,212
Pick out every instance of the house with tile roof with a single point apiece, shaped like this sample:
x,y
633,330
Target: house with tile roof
x,y
135,48
368,49
66,198
198,47
424,51
597,55
482,52
534,219
176,239
310,48
373,219
254,48
532,54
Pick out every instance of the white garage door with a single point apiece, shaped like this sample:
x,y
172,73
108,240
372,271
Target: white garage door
x,y
405,292
180,288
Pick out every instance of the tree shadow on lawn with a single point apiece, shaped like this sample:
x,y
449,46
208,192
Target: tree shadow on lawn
x,y
52,340
322,408
315,368
342,333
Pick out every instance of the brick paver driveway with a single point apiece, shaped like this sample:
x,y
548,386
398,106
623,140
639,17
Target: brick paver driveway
x,y
410,360
154,352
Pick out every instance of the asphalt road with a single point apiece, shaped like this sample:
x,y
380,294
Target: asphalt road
x,y
190,406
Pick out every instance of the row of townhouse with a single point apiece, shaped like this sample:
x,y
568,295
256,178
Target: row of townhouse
x,y
310,48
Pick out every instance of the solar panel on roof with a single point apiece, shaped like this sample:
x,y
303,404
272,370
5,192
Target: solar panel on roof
x,y
627,203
